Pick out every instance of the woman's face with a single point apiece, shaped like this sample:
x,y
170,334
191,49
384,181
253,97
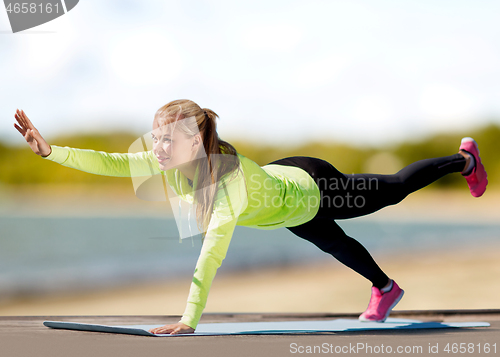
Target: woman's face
x,y
173,148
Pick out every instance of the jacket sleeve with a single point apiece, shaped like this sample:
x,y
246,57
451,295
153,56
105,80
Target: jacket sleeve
x,y
103,163
231,200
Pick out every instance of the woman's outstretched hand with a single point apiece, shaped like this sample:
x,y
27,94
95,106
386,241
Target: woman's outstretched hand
x,y
174,329
31,135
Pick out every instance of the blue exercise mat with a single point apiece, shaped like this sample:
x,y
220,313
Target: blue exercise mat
x,y
269,328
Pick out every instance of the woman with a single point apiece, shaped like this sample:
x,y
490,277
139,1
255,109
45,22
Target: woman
x,y
305,195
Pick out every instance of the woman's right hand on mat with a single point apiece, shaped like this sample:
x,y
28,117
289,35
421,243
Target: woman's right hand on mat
x,y
31,135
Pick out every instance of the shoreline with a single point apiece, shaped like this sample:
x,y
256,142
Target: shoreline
x,y
426,205
431,281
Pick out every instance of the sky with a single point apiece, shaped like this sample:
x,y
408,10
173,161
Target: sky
x,y
362,72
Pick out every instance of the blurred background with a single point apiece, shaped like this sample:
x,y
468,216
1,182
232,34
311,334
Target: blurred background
x,y
367,86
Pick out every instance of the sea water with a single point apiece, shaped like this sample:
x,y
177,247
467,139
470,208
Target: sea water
x,y
46,255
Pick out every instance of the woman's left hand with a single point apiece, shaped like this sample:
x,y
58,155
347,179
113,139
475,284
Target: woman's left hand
x,y
173,329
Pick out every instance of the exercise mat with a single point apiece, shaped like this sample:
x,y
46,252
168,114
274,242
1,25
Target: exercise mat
x,y
269,328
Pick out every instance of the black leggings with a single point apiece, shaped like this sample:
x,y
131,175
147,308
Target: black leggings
x,y
348,196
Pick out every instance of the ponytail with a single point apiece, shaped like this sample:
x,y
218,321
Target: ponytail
x,y
217,165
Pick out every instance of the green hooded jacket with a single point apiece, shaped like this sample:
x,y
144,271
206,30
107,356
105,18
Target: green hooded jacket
x,y
268,197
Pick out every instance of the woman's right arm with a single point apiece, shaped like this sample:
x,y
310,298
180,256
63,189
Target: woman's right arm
x,y
31,135
96,162
107,164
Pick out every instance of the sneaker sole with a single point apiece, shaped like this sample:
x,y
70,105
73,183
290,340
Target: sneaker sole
x,y
362,319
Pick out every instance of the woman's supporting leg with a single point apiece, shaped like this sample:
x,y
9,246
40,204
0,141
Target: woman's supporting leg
x,y
348,196
330,238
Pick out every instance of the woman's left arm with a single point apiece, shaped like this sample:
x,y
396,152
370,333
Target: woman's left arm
x,y
212,254
230,202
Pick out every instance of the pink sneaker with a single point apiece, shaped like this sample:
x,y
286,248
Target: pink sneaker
x,y
477,179
381,304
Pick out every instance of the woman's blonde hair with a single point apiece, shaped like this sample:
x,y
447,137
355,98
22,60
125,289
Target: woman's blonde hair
x,y
211,168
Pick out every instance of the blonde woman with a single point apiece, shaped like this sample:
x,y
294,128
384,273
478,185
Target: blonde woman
x,y
303,194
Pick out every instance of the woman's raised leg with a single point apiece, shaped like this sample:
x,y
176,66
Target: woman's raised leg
x,y
348,196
